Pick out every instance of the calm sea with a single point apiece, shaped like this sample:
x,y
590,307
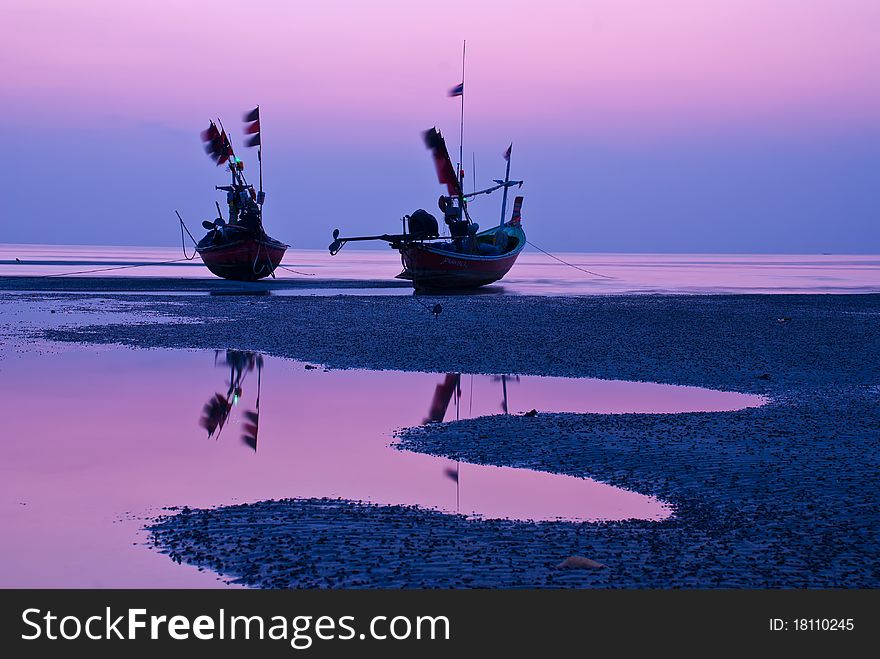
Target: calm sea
x,y
534,272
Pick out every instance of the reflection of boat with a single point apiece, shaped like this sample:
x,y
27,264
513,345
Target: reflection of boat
x,y
468,257
239,248
444,393
218,410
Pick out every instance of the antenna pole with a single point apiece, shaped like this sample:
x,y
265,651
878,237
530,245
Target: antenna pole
x,y
474,169
260,153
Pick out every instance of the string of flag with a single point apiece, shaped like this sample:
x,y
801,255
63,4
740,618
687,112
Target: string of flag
x,y
445,171
252,127
217,144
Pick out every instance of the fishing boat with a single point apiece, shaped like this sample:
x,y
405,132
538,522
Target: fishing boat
x,y
465,257
239,248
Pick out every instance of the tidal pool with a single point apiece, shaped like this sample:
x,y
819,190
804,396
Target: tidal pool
x,y
99,438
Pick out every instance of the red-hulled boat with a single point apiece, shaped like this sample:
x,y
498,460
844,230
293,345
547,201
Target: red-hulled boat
x,y
467,257
432,265
239,248
240,254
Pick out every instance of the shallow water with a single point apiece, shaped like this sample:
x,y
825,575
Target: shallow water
x,y
534,273
98,438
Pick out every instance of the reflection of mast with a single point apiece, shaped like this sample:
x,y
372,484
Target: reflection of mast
x,y
443,393
455,474
503,379
457,486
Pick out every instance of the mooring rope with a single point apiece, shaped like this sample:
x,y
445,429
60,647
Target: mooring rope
x,y
296,272
571,265
119,267
260,246
436,309
183,228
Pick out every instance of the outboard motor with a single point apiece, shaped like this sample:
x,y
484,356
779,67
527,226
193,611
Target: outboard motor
x,y
458,228
423,224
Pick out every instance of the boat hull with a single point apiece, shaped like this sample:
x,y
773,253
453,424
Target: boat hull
x,y
432,267
244,258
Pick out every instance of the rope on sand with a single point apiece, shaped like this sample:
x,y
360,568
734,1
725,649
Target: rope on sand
x,y
119,267
296,272
571,265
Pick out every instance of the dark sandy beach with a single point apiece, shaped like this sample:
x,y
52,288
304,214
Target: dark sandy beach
x,y
779,496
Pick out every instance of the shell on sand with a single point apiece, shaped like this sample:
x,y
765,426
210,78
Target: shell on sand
x,y
579,562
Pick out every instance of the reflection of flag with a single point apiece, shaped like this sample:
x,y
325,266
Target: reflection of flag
x,y
214,414
442,396
507,153
458,90
249,436
445,171
252,127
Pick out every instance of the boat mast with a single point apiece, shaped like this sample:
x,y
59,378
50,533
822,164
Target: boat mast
x,y
461,134
506,184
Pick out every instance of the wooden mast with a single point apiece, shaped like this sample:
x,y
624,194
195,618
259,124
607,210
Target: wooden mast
x,y
461,135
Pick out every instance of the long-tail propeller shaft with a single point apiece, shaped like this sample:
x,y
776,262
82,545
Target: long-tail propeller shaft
x,y
338,243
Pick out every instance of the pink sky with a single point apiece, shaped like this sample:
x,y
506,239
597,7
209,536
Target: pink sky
x,y
678,64
639,125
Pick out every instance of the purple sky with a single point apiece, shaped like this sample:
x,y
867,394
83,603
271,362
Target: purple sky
x,y
686,125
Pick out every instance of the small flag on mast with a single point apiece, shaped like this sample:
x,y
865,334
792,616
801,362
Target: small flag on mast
x,y
458,90
252,127
253,115
507,153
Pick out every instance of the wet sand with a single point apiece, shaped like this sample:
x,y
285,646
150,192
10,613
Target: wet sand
x,y
779,496
176,285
